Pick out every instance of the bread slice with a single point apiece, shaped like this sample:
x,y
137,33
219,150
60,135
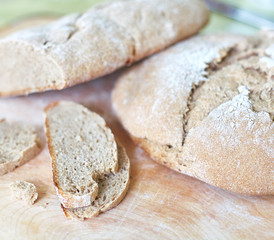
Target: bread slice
x,y
112,189
25,191
18,144
82,148
81,47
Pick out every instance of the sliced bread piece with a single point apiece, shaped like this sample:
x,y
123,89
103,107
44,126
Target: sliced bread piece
x,y
112,189
82,149
25,191
18,144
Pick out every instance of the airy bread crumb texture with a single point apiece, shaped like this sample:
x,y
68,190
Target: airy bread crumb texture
x,y
25,191
83,150
112,189
18,144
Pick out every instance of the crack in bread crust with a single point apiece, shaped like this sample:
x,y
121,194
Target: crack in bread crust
x,y
215,91
189,107
227,58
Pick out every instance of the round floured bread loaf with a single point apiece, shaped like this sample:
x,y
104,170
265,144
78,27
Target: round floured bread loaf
x,y
205,108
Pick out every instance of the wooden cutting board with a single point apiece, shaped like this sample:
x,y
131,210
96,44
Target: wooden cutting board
x,y
160,203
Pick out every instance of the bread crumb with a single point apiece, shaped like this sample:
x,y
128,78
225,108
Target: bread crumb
x,y
25,191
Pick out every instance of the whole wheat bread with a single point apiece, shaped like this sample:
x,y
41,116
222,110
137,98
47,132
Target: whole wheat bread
x,y
81,47
18,144
204,107
25,191
82,149
112,189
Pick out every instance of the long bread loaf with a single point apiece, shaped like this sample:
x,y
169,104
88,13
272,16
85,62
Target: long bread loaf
x,y
81,47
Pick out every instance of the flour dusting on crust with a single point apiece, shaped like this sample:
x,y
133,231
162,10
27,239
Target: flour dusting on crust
x,y
169,87
232,145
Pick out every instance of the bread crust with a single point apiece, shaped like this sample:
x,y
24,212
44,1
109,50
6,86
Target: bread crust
x,y
82,47
242,173
209,117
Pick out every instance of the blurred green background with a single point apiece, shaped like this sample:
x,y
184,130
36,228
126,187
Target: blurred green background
x,y
12,11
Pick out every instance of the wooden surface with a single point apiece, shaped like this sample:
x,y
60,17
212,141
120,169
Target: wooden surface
x,y
160,203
